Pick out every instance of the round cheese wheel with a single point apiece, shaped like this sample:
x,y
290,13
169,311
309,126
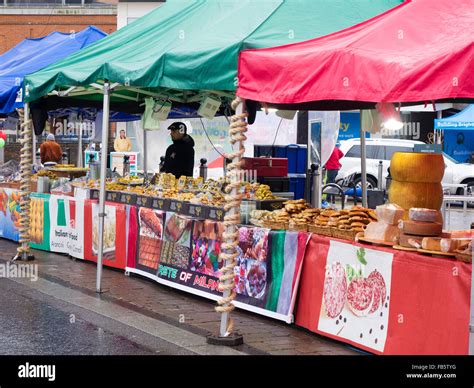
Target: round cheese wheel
x,y
417,167
416,195
421,228
424,215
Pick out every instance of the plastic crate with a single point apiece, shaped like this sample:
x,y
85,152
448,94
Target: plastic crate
x,y
267,167
297,185
296,155
263,150
277,184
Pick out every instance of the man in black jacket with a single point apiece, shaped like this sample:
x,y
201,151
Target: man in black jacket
x,y
179,158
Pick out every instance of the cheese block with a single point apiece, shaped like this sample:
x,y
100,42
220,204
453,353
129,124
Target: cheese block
x,y
468,233
431,244
389,213
424,215
409,241
418,228
452,244
382,231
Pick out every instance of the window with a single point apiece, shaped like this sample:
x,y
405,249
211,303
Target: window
x,y
390,150
372,152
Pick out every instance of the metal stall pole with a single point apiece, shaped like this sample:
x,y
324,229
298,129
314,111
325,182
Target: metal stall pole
x,y
103,174
145,173
363,164
471,320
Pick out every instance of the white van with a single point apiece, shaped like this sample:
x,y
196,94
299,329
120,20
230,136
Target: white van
x,y
383,149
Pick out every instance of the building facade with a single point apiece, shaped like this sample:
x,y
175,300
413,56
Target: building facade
x,y
21,19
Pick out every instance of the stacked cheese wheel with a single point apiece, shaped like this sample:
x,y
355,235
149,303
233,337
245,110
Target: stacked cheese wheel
x,y
416,180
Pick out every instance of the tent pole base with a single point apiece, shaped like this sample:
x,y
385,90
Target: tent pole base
x,y
23,257
234,339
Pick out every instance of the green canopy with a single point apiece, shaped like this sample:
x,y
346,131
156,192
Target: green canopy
x,y
185,47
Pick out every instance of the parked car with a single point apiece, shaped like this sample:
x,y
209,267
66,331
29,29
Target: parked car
x,y
383,149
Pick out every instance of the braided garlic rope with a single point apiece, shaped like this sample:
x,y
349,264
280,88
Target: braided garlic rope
x,y
238,128
25,171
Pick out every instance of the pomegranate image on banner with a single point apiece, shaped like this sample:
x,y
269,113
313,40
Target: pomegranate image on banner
x,y
356,295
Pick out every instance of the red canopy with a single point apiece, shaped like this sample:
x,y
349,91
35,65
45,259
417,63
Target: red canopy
x,y
419,51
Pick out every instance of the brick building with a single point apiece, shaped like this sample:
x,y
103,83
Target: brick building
x,y
20,19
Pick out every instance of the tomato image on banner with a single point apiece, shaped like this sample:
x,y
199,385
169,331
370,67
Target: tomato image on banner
x,y
177,240
149,239
206,248
356,295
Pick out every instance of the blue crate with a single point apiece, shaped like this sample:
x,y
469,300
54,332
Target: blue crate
x,y
263,150
297,185
297,157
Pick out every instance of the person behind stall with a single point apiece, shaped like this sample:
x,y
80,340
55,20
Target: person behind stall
x,y
179,158
333,165
122,143
50,151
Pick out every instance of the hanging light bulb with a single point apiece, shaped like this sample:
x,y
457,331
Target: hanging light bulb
x,y
390,116
393,124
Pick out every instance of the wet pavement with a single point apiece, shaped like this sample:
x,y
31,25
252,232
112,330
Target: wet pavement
x,y
60,313
33,323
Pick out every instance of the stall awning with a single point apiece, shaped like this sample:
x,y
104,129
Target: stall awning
x,y
464,120
420,51
32,55
188,46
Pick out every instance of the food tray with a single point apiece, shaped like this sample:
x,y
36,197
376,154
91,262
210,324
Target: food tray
x,y
349,235
467,258
298,228
437,253
376,242
400,248
276,225
321,230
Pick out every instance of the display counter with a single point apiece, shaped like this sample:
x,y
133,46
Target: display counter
x,y
379,299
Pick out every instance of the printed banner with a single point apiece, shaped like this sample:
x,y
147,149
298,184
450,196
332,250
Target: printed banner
x,y
356,294
385,302
40,224
185,252
115,225
9,214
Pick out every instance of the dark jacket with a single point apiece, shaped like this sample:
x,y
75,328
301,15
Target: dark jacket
x,y
179,158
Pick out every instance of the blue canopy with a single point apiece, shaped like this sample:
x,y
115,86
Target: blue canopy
x,y
458,138
32,55
464,120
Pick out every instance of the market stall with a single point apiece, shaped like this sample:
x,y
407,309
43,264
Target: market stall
x,y
144,63
392,300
